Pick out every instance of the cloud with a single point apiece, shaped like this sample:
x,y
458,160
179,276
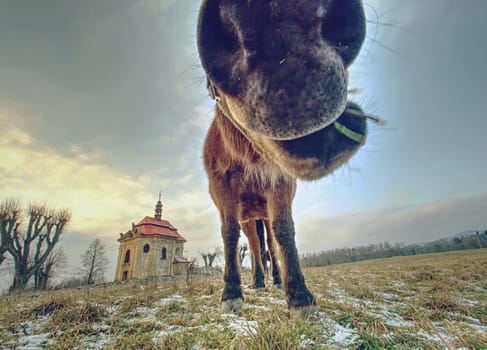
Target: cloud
x,y
11,134
413,224
103,199
157,7
196,218
193,129
100,197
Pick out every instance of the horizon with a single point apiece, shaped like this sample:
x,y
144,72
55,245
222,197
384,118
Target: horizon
x,y
64,275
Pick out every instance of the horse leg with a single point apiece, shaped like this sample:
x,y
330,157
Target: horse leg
x,y
250,231
232,298
276,277
259,225
300,301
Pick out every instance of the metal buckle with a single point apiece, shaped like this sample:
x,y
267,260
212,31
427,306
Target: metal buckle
x,y
212,90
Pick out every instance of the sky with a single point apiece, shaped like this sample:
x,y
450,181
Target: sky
x,y
103,105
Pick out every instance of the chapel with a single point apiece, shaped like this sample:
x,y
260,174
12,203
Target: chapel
x,y
153,247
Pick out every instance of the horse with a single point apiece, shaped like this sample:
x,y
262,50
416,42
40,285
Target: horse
x,y
277,70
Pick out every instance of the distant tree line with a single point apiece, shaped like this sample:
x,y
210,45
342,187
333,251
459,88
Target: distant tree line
x,y
471,240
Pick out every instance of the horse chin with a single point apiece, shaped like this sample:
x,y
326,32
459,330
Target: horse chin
x,y
314,156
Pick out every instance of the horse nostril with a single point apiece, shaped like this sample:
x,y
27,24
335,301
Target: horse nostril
x,y
344,28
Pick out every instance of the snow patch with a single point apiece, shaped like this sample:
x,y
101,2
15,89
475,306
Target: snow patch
x,y
258,307
398,322
29,340
33,342
276,301
169,331
389,296
241,326
337,335
168,300
101,338
468,302
305,342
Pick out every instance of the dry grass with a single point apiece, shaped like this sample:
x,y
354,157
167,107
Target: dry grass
x,y
436,301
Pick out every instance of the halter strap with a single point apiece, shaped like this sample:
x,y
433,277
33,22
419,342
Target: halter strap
x,y
219,103
352,135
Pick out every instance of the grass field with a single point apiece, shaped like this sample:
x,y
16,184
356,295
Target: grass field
x,y
436,301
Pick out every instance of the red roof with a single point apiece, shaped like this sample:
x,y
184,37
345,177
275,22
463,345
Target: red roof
x,y
150,226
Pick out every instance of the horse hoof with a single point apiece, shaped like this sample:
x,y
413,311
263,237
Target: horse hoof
x,y
232,305
302,312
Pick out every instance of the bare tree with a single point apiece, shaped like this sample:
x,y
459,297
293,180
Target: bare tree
x,y
55,261
94,262
10,218
210,257
242,252
191,268
31,247
205,258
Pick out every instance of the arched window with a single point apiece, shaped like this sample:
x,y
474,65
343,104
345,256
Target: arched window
x,y
146,248
177,251
164,254
127,257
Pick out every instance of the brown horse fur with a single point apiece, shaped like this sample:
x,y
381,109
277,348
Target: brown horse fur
x,y
278,69
254,230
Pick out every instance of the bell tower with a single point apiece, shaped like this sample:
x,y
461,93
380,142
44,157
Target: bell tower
x,y
158,211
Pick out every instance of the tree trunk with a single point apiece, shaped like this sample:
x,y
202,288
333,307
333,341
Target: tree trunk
x,y
37,279
43,281
90,277
41,277
92,267
20,282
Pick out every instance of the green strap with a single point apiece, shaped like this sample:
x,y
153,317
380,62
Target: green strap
x,y
352,135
